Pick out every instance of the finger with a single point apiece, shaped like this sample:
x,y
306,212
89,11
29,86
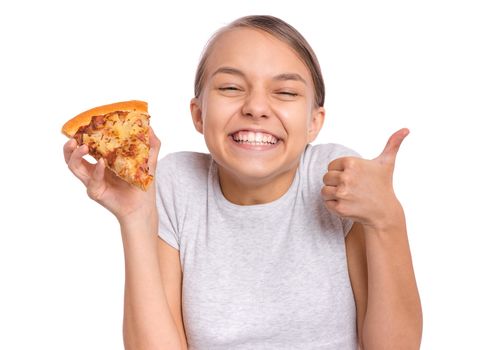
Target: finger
x,y
336,164
329,193
388,156
96,183
68,149
79,166
340,164
331,205
154,140
98,175
332,178
154,150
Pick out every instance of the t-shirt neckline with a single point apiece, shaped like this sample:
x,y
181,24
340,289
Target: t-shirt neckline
x,y
225,204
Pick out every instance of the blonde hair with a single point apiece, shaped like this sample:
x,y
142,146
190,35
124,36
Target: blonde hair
x,y
280,30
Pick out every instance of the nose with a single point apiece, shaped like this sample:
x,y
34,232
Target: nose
x,y
256,105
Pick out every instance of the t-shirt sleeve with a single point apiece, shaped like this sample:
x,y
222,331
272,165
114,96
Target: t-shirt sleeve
x,y
346,225
166,202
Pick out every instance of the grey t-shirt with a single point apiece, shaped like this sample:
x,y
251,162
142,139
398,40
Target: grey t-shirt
x,y
267,276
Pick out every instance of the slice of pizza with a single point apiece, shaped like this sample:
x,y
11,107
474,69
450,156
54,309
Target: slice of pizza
x,y
118,133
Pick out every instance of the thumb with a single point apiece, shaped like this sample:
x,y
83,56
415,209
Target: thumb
x,y
388,155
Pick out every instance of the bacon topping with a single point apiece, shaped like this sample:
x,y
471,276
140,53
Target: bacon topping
x,y
111,157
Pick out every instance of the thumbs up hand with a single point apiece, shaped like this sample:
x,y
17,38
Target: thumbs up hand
x,y
362,189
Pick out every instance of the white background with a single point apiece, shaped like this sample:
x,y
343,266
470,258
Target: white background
x,y
387,64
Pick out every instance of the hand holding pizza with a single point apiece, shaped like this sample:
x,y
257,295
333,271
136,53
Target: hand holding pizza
x,y
362,189
103,186
119,137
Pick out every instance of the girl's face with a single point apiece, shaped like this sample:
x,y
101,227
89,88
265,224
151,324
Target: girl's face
x,y
256,110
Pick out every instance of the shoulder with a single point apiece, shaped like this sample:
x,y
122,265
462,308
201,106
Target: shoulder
x,y
184,168
330,151
181,184
185,161
317,157
314,164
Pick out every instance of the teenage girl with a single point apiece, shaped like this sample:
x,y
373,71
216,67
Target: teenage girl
x,y
267,242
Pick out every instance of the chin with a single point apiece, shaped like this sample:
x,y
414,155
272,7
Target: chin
x,y
255,172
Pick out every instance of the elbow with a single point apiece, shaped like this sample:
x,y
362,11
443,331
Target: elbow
x,y
146,341
404,336
148,344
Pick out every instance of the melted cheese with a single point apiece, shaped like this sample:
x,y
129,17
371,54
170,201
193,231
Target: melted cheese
x,y
122,139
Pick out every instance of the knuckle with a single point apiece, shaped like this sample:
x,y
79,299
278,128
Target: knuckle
x,y
351,162
92,193
69,145
67,153
326,193
333,164
330,205
325,178
342,192
71,164
345,179
341,209
67,158
323,190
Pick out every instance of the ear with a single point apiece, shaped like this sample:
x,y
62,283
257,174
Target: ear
x,y
316,123
196,113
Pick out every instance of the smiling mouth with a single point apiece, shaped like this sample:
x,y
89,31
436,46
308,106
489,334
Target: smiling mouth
x,y
254,138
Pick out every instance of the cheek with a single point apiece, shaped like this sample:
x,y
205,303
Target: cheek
x,y
296,118
217,112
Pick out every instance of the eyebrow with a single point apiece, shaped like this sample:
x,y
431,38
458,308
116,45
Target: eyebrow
x,y
280,77
290,76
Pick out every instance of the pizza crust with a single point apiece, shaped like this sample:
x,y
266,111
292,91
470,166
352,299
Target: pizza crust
x,y
70,127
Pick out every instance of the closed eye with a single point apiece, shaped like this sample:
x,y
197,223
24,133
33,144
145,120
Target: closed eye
x,y
230,91
288,93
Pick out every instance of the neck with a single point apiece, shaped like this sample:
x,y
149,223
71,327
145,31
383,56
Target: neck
x,y
253,191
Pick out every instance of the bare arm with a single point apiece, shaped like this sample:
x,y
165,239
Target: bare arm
x,y
393,312
380,267
148,321
151,281
389,312
171,273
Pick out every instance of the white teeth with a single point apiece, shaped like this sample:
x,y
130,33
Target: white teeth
x,y
256,138
251,136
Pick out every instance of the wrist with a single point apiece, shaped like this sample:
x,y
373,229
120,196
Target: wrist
x,y
141,219
391,220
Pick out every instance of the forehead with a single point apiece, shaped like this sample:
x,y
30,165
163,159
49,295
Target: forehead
x,y
255,52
